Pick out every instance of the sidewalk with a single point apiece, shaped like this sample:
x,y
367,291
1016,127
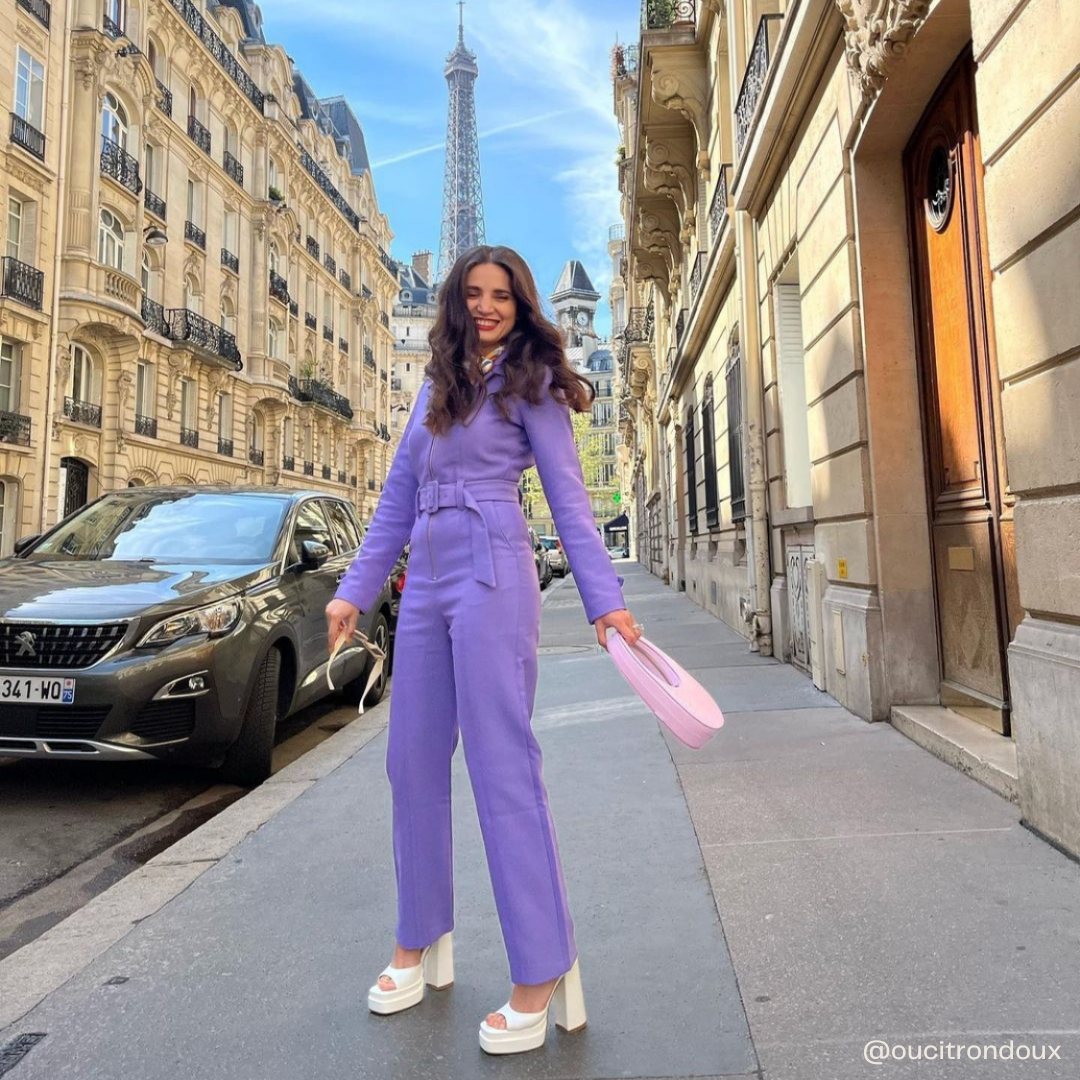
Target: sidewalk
x,y
761,908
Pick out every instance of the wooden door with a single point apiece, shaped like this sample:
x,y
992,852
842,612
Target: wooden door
x,y
969,523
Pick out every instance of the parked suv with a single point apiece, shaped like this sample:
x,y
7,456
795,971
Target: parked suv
x,y
177,623
556,556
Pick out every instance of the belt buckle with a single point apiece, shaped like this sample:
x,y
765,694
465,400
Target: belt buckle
x,y
428,496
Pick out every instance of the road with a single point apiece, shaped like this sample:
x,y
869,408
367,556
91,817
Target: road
x,y
69,830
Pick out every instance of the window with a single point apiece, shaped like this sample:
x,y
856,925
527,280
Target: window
x,y
275,258
793,415
308,444
194,202
150,167
309,294
114,10
691,471
144,390
14,227
144,274
29,89
192,295
188,404
8,498
228,316
733,379
311,524
225,416
274,340
232,231
348,535
111,240
114,121
85,384
288,439
258,433
274,178
9,377
708,439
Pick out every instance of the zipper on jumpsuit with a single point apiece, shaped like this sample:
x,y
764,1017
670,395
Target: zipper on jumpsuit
x,y
431,476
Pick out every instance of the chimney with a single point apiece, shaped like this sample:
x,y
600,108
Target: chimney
x,y
421,263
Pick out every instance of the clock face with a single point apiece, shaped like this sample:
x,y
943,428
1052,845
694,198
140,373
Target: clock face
x,y
565,318
582,319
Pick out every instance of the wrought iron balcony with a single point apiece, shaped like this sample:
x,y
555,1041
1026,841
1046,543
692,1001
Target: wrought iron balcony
x,y
624,61
343,345
230,261
680,326
288,462
27,136
225,447
754,79
192,329
635,329
189,437
382,374
664,14
111,28
330,263
194,234
384,319
384,433
233,167
309,468
164,101
345,278
22,282
82,412
387,262
616,233
120,165
310,321
218,50
365,292
14,429
313,248
369,357
320,393
294,309
279,287
146,425
39,9
153,314
696,275
328,333
326,472
155,204
256,456
718,209
199,133
313,169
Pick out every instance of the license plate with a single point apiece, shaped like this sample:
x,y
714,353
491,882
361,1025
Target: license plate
x,y
38,691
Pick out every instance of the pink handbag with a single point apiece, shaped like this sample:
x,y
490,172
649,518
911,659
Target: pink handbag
x,y
679,701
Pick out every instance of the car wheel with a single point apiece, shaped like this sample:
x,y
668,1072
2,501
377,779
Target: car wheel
x,y
248,760
351,691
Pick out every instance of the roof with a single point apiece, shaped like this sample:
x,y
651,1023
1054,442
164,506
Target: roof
x,y
601,360
348,128
250,15
574,281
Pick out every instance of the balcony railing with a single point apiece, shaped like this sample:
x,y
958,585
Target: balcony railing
x,y
14,429
256,456
225,447
330,263
313,248
696,275
192,329
326,472
365,292
164,101
680,326
288,462
199,133
309,468
230,261
193,17
279,287
320,393
382,374
616,233
194,234
343,345
754,79
120,165
624,60
384,319
189,437
635,329
387,262
153,314
345,278
27,136
664,14
111,28
718,210
310,321
146,425
82,412
39,9
155,204
328,333
21,282
369,357
233,167
294,309
326,184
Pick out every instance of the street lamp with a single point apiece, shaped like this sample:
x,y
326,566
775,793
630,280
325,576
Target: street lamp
x,y
155,237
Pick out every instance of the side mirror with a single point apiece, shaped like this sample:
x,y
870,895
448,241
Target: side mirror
x,y
313,554
25,542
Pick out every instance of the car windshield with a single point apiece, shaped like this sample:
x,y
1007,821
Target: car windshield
x,y
186,527
548,542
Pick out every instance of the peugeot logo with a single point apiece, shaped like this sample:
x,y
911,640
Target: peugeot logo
x,y
26,642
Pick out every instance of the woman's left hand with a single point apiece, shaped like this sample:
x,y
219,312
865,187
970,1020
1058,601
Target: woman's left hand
x,y
620,620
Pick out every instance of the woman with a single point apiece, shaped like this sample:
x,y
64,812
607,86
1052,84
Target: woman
x,y
496,400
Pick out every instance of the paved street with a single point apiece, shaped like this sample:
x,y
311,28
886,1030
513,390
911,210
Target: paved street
x,y
763,907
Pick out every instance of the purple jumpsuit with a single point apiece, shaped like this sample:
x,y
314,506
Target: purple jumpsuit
x,y
466,654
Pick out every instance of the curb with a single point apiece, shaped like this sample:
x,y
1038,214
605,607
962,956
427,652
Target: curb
x,y
42,966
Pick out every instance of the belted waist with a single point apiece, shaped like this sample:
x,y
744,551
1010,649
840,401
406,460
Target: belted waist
x,y
466,495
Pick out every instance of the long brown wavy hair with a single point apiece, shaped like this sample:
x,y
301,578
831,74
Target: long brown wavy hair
x,y
534,344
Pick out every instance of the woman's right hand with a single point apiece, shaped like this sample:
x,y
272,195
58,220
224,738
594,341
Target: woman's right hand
x,y
341,619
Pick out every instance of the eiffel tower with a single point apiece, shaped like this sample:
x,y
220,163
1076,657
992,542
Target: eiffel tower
x,y
463,199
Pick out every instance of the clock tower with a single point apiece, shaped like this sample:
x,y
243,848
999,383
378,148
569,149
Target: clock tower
x,y
574,300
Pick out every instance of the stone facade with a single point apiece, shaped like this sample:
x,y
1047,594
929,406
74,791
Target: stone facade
x,y
776,358
414,317
224,286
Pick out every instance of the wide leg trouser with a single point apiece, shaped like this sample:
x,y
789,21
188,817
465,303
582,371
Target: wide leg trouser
x,y
466,659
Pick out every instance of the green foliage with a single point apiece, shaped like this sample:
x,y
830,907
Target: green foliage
x,y
659,14
590,453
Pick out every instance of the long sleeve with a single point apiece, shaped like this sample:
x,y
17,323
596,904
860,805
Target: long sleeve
x,y
551,435
391,524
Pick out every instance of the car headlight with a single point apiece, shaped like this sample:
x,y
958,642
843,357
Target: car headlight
x,y
213,620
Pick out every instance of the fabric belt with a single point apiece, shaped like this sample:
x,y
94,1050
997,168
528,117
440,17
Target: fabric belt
x,y
466,495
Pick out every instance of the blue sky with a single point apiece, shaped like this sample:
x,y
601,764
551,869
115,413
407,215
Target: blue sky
x,y
548,135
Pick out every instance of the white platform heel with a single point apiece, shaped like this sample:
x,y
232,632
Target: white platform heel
x,y
527,1031
436,968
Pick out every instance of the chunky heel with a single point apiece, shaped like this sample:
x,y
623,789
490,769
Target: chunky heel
x,y
570,1002
439,963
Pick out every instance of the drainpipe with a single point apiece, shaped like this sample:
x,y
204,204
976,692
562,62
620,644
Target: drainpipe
x,y
58,256
759,612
